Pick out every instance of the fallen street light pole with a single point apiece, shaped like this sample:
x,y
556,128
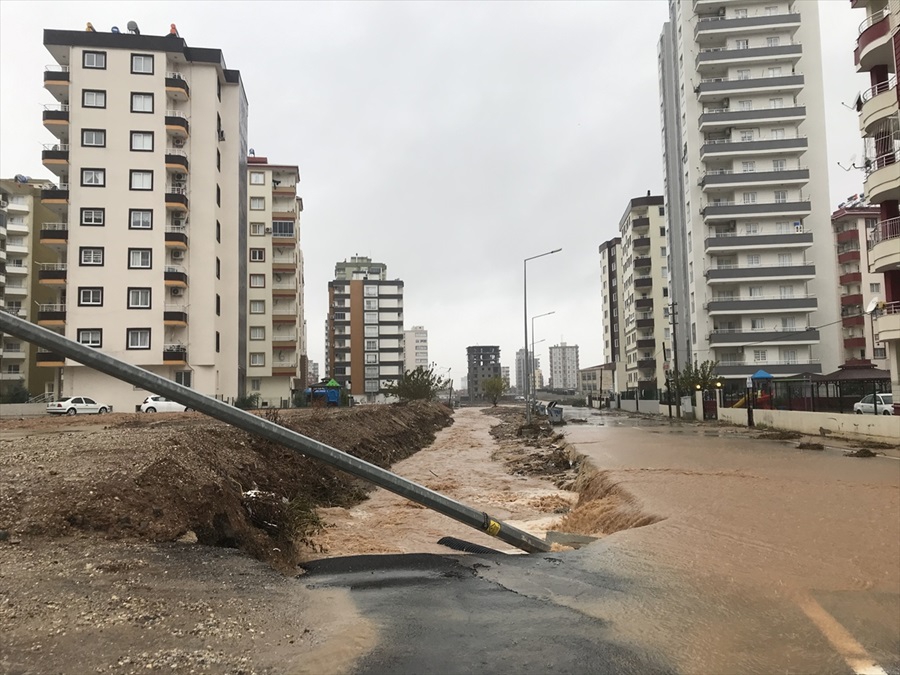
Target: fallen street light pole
x,y
139,377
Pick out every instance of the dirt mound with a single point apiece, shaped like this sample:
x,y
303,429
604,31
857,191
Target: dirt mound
x,y
161,477
552,459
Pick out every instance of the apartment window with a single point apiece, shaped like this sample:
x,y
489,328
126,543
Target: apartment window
x,y
257,203
372,386
753,260
773,41
139,258
218,196
255,383
218,161
370,317
743,73
140,219
257,306
257,255
779,165
93,177
370,291
218,232
757,324
257,229
184,378
370,303
746,135
745,105
880,352
742,44
257,332
138,298
142,141
257,178
664,272
749,197
777,134
90,337
90,256
748,167
257,359
772,10
218,341
141,180
257,281
93,217
740,14
137,338
788,323
372,357
142,64
371,331
141,102
786,291
776,102
789,355
90,297
759,355
93,138
94,60
775,71
785,259
371,345
371,371
218,305
780,196
875,288
755,291
782,227
218,269
93,98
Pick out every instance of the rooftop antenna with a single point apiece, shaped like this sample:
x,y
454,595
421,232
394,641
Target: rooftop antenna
x,y
133,28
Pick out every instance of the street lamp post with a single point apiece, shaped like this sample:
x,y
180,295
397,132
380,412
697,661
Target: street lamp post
x,y
525,302
533,343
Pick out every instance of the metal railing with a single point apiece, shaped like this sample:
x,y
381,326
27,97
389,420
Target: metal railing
x,y
768,329
284,311
176,189
285,336
174,76
175,113
54,226
890,308
175,347
175,227
176,151
872,19
884,231
785,362
728,172
52,308
881,161
764,76
879,88
56,107
59,267
731,202
175,308
706,19
56,68
716,141
736,266
175,269
745,298
724,235
60,147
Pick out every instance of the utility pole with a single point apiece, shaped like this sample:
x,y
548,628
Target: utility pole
x,y
675,356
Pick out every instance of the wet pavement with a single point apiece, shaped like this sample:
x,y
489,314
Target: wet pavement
x,y
767,559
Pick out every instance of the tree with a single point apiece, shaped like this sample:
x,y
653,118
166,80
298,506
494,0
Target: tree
x,y
495,387
421,384
703,374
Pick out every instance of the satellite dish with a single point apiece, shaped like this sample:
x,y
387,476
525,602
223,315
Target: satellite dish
x,y
133,27
873,303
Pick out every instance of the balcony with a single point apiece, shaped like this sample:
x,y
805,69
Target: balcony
x,y
177,124
770,272
52,274
51,315
176,161
731,241
873,46
176,236
644,323
847,235
726,147
884,246
716,88
55,156
852,300
769,304
284,313
876,103
56,81
174,354
175,315
850,278
882,181
710,28
718,119
742,369
640,225
284,339
176,198
853,320
175,276
748,336
54,234
646,364
887,323
49,359
848,257
642,263
643,304
646,343
726,179
284,263
731,210
641,242
56,198
719,58
643,282
854,342
176,88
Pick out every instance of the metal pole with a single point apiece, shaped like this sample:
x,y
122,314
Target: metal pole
x,y
675,356
533,359
271,431
749,398
525,303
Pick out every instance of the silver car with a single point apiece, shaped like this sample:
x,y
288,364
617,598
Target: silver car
x,y
885,405
154,404
77,404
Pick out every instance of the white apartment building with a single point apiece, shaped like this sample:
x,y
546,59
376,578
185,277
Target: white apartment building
x,y
520,371
611,299
364,329
564,366
415,348
747,187
644,314
276,345
151,211
22,262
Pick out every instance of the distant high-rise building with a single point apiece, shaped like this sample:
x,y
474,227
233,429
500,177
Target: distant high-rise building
x,y
364,329
312,376
483,364
504,373
415,345
564,366
520,370
611,287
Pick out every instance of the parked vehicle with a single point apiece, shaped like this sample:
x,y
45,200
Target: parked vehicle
x,y
77,404
865,406
154,404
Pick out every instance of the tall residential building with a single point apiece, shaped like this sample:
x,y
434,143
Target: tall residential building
x,y
564,366
611,271
312,373
741,81
645,293
24,283
852,221
520,371
415,348
504,373
483,364
276,345
151,211
879,120
364,329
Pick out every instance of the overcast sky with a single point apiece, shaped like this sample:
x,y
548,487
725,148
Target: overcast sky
x,y
447,140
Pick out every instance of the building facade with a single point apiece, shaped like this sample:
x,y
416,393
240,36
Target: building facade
x,y
564,367
852,221
276,340
741,81
150,231
483,363
611,299
644,313
415,348
364,328
876,54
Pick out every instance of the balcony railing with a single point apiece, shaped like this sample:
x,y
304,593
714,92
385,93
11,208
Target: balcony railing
x,y
56,68
55,267
52,308
176,113
884,231
736,266
882,161
872,19
56,147
879,88
57,107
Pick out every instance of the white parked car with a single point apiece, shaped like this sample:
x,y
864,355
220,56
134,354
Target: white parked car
x,y
77,404
885,405
154,404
